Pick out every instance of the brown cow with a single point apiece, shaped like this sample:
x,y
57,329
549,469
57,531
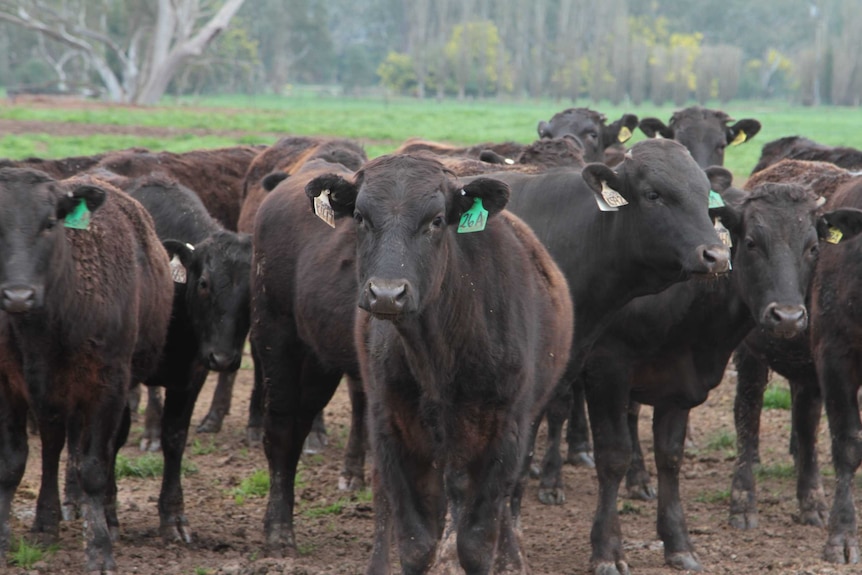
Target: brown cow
x,y
86,311
509,150
799,148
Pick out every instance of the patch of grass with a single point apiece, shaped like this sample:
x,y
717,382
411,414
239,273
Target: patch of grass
x,y
26,555
776,396
720,496
333,509
628,508
199,448
723,440
202,571
147,466
363,496
777,471
255,485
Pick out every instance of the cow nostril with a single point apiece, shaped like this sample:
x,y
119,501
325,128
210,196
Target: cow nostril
x,y
388,296
715,258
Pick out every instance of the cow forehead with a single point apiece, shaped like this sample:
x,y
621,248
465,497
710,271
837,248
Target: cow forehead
x,y
27,193
403,177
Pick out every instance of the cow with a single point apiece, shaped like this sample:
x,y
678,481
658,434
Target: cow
x,y
490,150
799,148
86,289
61,168
602,142
835,325
705,132
670,349
540,156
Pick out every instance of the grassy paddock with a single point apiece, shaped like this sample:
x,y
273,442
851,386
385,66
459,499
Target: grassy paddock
x,y
382,124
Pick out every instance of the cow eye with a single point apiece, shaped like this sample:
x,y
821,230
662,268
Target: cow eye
x,y
593,135
652,195
49,224
357,217
203,284
749,243
438,222
814,249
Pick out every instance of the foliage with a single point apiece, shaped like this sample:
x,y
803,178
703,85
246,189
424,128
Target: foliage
x,y
476,56
255,485
230,64
25,555
397,74
776,396
147,466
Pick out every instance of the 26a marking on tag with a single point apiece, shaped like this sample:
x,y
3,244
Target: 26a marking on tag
x,y
474,219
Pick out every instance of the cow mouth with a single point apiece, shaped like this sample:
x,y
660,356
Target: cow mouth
x,y
386,316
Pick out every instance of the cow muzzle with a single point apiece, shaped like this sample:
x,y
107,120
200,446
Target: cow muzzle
x,y
713,259
785,321
18,298
386,299
223,361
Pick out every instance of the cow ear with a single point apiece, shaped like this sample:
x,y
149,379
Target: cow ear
x,y
271,180
72,204
742,131
493,193
620,131
606,185
655,128
181,255
723,197
543,129
492,157
342,193
839,225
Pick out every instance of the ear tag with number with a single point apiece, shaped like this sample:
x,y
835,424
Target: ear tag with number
x,y
834,236
723,233
323,210
740,138
474,219
79,218
610,200
178,270
715,199
624,134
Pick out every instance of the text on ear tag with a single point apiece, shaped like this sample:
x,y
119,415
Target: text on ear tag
x,y
715,199
740,138
79,218
178,270
723,233
624,134
323,210
834,236
613,197
474,219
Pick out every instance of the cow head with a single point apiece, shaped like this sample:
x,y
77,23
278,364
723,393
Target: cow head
x,y
407,210
776,230
665,220
214,283
590,128
35,209
704,132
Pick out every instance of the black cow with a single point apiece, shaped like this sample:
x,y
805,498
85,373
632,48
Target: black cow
x,y
86,308
704,132
799,148
835,342
590,128
461,341
668,350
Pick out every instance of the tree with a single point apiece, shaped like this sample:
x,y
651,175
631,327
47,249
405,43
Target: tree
x,y
134,53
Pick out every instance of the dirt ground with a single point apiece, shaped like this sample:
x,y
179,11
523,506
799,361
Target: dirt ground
x,y
334,530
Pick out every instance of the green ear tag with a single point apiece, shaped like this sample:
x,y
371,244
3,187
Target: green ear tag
x,y
715,200
474,219
79,218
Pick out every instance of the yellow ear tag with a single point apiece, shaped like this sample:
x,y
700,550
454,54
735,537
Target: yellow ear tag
x,y
740,138
323,210
624,134
834,236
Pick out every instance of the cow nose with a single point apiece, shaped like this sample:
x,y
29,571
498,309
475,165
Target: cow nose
x,y
220,361
716,259
387,297
18,299
786,320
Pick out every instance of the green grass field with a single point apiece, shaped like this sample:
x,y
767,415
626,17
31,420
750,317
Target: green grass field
x,y
382,124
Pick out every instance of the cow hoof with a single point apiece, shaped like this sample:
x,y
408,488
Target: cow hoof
x,y
744,520
349,482
535,471
280,544
641,492
315,443
254,436
114,533
684,561
842,548
813,517
581,459
176,530
150,444
210,424
609,568
70,511
552,495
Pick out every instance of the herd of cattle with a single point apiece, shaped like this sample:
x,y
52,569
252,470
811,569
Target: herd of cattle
x,y
465,293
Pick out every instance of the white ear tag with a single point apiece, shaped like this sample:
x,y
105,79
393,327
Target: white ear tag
x,y
323,210
610,200
509,161
178,270
723,233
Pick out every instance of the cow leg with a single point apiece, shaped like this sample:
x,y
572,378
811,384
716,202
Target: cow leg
x,y
13,458
220,405
807,406
353,474
637,477
839,377
669,430
751,379
613,456
297,389
551,489
254,427
52,431
577,434
152,439
316,440
180,400
380,563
